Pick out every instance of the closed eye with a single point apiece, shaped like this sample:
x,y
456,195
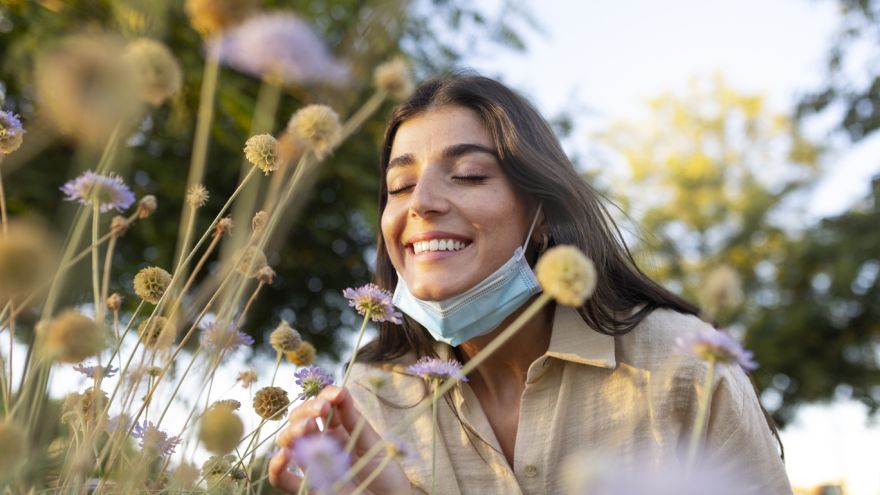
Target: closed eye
x,y
470,178
392,192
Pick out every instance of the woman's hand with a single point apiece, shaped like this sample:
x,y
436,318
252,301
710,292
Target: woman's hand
x,y
344,420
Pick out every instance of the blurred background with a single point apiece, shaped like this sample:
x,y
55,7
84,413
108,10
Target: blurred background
x,y
731,134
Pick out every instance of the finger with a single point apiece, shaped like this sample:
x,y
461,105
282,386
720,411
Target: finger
x,y
279,476
293,431
349,416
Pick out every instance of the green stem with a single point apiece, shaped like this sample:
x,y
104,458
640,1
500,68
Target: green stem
x,y
702,415
357,346
277,365
96,284
3,219
435,384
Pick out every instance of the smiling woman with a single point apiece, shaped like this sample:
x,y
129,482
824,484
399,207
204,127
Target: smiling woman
x,y
476,188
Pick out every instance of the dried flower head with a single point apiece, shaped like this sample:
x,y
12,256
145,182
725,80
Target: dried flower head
x,y
109,191
197,196
156,71
258,223
224,226
220,430
119,225
230,404
97,371
318,126
146,206
437,369
11,132
280,47
222,336
13,449
114,302
247,377
27,257
393,77
152,332
271,403
716,346
566,274
151,283
266,275
312,380
154,371
373,301
92,403
72,337
210,17
324,459
304,355
153,440
284,338
250,261
84,87
262,151
221,475
721,290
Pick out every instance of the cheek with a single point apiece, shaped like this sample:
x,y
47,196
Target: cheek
x,y
390,231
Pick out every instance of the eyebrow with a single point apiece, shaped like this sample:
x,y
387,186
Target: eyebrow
x,y
450,152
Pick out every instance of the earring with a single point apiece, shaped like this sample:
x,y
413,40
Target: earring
x,y
545,242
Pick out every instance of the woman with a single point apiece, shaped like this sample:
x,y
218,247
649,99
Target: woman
x,y
472,176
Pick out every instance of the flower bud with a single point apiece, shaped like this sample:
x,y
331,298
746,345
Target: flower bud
x,y
114,302
119,225
146,206
197,196
224,226
258,223
266,275
566,274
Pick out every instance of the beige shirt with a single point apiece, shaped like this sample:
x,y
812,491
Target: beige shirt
x,y
626,398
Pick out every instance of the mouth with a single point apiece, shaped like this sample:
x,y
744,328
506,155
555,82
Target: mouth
x,y
437,245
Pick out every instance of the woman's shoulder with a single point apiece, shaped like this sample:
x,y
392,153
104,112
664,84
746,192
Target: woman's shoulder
x,y
659,333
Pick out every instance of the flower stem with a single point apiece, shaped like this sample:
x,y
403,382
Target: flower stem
x,y
369,479
436,386
3,219
96,284
702,413
277,365
357,346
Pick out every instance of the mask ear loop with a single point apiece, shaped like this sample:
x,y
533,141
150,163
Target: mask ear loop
x,y
532,227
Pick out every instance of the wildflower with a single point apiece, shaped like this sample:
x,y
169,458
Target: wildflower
x,y
13,448
96,371
220,430
72,337
312,380
318,126
434,368
279,47
304,355
119,225
567,275
250,261
146,206
323,458
230,404
247,377
266,275
210,17
11,132
716,346
84,88
224,226
151,335
154,440
262,151
271,403
393,78
373,301
221,474
197,196
151,283
114,302
258,223
721,290
109,191
156,71
218,337
284,338
27,258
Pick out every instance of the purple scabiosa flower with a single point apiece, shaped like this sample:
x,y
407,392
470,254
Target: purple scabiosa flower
x,y
323,458
95,371
108,190
372,300
279,46
11,132
312,380
154,439
718,346
218,336
434,368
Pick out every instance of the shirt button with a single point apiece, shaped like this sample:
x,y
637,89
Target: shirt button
x,y
531,471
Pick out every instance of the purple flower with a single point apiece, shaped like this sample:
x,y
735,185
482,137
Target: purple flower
x,y
370,299
108,190
434,368
154,439
280,46
96,371
322,458
312,380
11,132
718,346
217,336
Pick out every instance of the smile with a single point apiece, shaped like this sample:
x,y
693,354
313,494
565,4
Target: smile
x,y
438,245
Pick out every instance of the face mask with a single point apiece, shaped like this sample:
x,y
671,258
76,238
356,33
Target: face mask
x,y
478,310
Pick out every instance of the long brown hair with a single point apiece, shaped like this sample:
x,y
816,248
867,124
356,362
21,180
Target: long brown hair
x,y
533,160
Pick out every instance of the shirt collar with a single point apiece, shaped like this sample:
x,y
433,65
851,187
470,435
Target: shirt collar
x,y
573,340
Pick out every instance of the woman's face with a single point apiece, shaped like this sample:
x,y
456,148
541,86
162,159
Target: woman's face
x,y
452,216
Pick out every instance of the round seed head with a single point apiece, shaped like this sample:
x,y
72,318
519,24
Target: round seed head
x,y
150,283
72,337
262,151
393,78
114,302
566,274
197,196
271,403
304,355
317,126
156,71
284,338
27,258
210,17
220,430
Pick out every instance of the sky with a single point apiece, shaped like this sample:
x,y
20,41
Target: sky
x,y
602,59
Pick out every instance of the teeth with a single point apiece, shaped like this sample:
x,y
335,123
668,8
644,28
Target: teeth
x,y
438,245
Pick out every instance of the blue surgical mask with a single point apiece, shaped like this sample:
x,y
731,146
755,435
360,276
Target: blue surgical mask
x,y
478,310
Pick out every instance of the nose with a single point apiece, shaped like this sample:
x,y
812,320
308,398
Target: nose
x,y
428,197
